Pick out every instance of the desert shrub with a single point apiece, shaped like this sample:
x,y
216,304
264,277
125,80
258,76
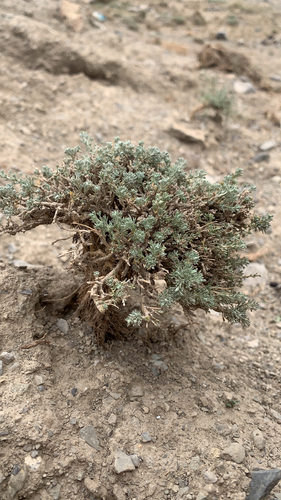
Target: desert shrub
x,y
218,97
137,218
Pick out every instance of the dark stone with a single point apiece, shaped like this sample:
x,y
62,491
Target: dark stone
x,y
274,284
16,470
73,391
261,157
221,35
89,435
263,481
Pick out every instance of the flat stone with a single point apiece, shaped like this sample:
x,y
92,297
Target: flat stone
x,y
276,415
14,366
201,496
123,462
243,87
194,463
210,477
55,492
263,481
187,135
267,145
145,437
275,78
260,157
257,437
89,435
115,395
235,452
112,418
151,489
137,391
38,380
118,492
16,482
6,357
62,325
94,486
182,492
253,343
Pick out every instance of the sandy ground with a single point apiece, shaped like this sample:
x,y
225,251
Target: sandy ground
x,y
198,411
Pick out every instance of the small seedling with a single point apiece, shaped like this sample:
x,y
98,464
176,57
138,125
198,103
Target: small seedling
x,y
231,403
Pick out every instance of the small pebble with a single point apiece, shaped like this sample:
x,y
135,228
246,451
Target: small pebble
x,y
145,437
6,357
63,325
1,367
221,35
267,145
260,157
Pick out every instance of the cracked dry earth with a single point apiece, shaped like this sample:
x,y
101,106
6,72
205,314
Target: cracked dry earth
x,y
182,417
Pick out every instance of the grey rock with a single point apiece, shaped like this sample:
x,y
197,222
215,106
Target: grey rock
x,y
55,491
1,367
201,496
6,357
263,481
21,264
34,453
260,157
267,145
16,482
276,415
62,325
221,35
275,78
159,367
41,388
156,357
135,459
243,87
210,477
194,463
38,380
137,391
14,366
234,452
12,248
26,291
123,462
89,435
16,469
182,492
73,421
27,447
258,439
145,437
